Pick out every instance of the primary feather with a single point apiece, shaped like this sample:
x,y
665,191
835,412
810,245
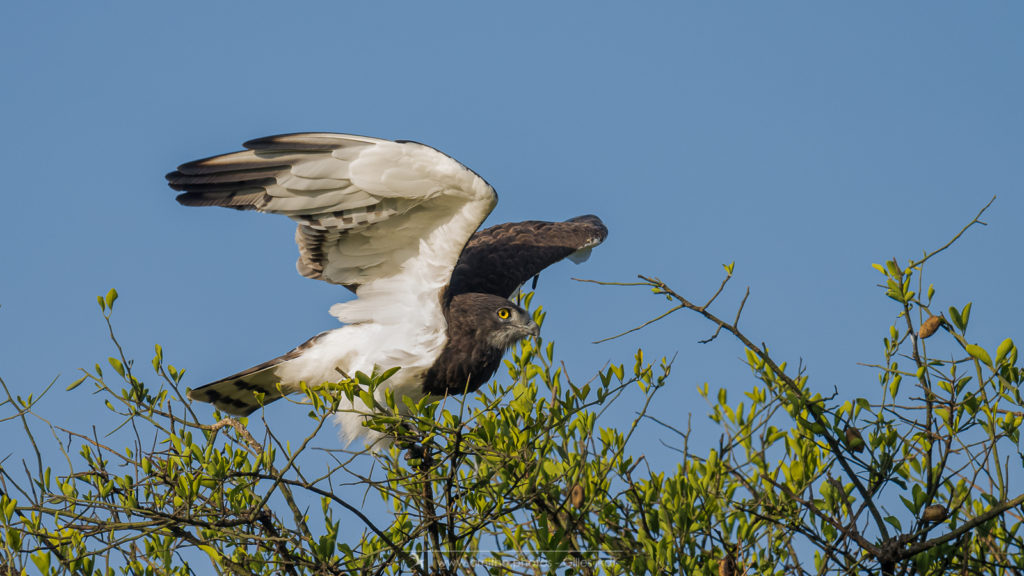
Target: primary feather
x,y
394,221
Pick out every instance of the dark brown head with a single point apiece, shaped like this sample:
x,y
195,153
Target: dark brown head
x,y
481,327
489,320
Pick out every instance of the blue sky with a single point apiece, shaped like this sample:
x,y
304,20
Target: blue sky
x,y
801,140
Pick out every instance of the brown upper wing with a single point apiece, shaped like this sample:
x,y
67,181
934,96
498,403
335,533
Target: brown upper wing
x,y
499,259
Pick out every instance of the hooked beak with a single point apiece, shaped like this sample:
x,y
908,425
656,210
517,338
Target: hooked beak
x,y
514,333
532,329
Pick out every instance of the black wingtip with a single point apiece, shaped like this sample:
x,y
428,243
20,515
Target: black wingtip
x,y
294,142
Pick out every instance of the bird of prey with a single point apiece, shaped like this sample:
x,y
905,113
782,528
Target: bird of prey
x,y
395,222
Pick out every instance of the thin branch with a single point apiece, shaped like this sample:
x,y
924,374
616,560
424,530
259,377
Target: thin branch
x,y
644,325
975,220
992,512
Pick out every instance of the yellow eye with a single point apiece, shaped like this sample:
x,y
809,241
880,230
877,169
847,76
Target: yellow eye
x,y
504,313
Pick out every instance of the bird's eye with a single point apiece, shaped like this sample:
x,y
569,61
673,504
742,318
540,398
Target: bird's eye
x,y
504,313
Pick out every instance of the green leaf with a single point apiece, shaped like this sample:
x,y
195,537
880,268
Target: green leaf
x,y
958,321
9,506
894,386
213,554
894,269
388,374
111,297
42,561
363,380
368,400
894,522
522,405
979,353
158,358
972,403
1003,350
617,370
116,364
1010,423
878,267
75,384
966,314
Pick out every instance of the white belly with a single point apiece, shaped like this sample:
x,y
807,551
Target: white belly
x,y
362,348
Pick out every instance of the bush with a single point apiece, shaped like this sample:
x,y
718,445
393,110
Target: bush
x,y
917,475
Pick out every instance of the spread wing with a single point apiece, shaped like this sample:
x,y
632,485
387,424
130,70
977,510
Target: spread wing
x,y
386,219
501,258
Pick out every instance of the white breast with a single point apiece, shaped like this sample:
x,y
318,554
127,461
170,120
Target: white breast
x,y
362,348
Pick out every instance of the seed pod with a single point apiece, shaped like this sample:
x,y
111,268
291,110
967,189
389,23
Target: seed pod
x,y
727,566
929,327
576,496
854,440
934,513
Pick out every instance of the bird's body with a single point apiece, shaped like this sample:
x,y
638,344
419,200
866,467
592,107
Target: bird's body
x,y
396,223
330,357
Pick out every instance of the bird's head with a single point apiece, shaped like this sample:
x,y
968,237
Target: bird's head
x,y
492,318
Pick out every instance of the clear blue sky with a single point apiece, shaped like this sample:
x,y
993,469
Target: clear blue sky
x,y
802,140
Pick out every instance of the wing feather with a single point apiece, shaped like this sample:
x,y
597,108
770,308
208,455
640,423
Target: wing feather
x,y
369,211
308,142
501,258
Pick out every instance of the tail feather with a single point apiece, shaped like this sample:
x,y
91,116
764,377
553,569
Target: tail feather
x,y
235,394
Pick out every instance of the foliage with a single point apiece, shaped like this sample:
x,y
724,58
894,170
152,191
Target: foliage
x,y
917,476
